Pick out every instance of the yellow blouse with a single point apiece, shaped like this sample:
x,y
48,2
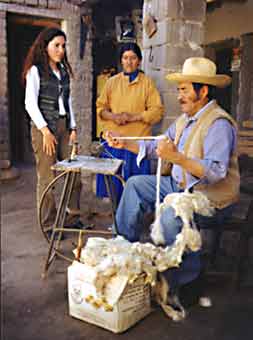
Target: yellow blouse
x,y
139,96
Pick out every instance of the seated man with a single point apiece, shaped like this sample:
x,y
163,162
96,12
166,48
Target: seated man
x,y
201,145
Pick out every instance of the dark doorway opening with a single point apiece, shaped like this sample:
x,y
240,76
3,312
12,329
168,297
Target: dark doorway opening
x,y
222,53
21,33
223,62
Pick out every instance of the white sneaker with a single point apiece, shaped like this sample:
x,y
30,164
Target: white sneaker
x,y
205,301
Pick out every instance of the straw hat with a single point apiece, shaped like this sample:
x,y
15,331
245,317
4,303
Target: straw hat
x,y
200,70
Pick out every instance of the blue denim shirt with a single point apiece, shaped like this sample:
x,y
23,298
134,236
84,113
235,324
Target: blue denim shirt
x,y
219,144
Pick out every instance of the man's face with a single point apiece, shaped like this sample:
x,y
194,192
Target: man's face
x,y
189,102
129,61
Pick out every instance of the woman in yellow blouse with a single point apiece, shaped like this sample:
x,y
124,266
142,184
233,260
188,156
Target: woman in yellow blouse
x,y
129,105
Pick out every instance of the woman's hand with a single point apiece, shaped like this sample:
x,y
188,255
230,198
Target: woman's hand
x,y
120,118
49,141
133,117
125,118
73,137
117,118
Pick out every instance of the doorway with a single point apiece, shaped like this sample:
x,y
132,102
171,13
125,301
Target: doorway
x,y
222,53
21,33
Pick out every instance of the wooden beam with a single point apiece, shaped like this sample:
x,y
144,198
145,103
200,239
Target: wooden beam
x,y
42,12
34,21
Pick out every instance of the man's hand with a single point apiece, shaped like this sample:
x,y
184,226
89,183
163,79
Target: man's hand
x,y
117,143
49,141
166,149
112,140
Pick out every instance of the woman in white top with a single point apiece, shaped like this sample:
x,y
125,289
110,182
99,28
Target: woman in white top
x,y
47,100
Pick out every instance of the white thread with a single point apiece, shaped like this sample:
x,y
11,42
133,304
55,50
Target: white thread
x,y
141,138
159,164
158,183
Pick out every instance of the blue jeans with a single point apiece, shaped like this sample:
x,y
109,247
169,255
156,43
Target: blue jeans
x,y
139,197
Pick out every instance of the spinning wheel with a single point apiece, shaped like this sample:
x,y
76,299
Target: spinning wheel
x,y
61,188
55,189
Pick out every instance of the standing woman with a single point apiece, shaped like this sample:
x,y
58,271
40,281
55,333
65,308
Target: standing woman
x,y
46,76
128,105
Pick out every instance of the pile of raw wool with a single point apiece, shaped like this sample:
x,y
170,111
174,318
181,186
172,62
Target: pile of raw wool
x,y
104,259
185,204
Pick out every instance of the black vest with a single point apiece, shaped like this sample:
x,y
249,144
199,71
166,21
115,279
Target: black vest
x,y
50,90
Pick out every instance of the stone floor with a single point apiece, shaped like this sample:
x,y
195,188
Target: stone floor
x,y
37,309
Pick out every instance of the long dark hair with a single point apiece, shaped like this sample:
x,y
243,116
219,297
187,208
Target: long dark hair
x,y
37,54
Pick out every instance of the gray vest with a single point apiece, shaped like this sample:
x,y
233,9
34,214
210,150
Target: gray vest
x,y
50,90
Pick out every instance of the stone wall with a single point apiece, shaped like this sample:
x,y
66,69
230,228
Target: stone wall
x,y
180,33
69,15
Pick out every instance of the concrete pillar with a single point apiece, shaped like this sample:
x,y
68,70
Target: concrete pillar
x,y
81,85
180,33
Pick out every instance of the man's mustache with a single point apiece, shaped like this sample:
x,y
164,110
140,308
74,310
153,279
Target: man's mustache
x,y
182,102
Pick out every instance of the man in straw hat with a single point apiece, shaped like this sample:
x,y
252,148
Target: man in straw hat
x,y
201,145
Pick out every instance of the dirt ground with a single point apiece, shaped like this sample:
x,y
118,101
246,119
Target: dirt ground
x,y
37,309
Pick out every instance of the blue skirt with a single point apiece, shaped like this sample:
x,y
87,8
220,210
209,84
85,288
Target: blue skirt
x,y
128,169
